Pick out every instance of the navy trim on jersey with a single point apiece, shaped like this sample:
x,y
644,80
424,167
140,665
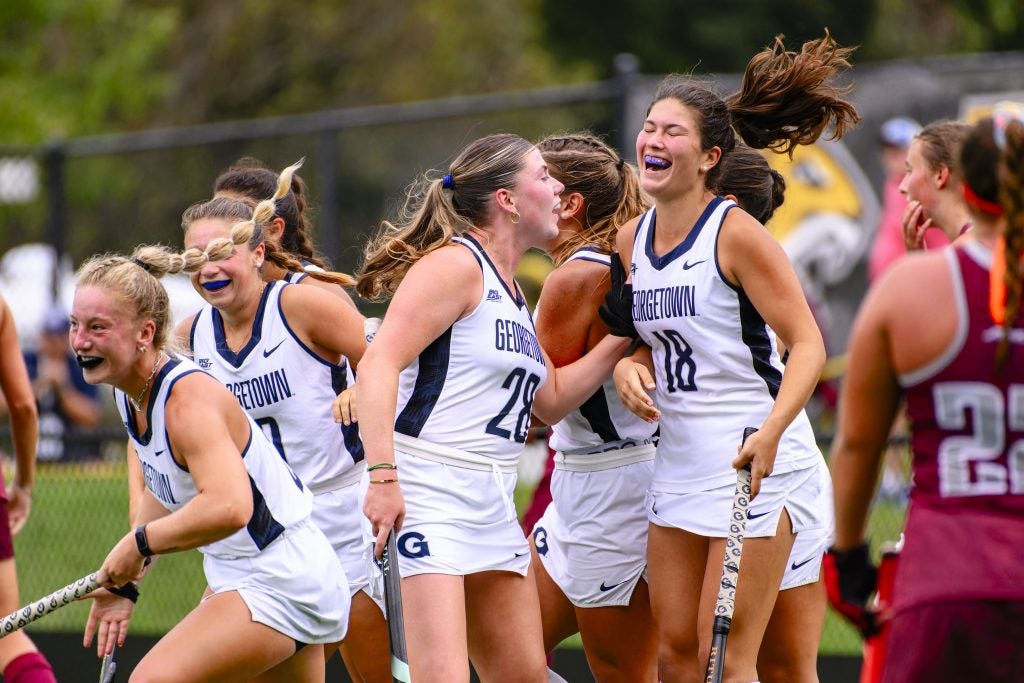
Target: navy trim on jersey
x,y
262,527
517,296
192,330
350,432
660,262
167,436
595,411
236,359
606,261
433,370
755,335
302,345
154,389
718,264
295,278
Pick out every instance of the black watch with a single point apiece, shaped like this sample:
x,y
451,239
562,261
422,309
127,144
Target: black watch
x,y
142,543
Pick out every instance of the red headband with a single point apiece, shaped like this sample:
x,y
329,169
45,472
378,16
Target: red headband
x,y
985,205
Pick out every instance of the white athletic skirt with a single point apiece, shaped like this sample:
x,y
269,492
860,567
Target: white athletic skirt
x,y
809,547
707,513
296,586
459,518
339,514
592,539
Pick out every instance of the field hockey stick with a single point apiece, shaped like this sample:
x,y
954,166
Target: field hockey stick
x,y
726,602
21,618
109,668
393,607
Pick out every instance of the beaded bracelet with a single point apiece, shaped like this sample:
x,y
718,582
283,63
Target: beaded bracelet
x,y
384,481
382,466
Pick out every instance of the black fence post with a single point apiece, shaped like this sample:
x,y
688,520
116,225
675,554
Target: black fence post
x,y
329,221
627,70
54,157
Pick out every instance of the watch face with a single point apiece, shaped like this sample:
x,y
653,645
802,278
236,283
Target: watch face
x,y
142,542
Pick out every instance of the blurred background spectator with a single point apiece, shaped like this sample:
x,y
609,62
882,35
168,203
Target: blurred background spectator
x,y
66,401
895,137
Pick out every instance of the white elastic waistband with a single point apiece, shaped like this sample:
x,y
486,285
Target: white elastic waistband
x,y
346,478
604,460
452,456
459,458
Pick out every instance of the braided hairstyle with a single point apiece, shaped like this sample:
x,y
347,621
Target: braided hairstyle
x,y
786,99
992,163
249,229
584,163
248,177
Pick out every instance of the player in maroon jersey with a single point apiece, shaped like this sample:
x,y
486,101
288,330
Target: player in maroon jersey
x,y
945,330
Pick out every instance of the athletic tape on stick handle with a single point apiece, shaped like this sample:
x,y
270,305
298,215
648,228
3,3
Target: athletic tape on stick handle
x,y
109,668
726,602
40,608
393,606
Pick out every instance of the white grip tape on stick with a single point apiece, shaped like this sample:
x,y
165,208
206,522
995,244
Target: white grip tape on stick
x,y
21,618
726,603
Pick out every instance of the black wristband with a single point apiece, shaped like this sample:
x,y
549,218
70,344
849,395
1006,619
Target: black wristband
x,y
142,543
129,590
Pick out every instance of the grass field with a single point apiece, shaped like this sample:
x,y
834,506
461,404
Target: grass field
x,y
78,513
81,510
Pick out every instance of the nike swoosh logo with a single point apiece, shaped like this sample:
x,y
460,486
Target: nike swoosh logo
x,y
687,266
519,554
266,354
605,588
157,454
751,515
796,565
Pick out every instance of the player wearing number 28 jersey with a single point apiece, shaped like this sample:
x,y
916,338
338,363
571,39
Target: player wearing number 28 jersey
x,y
484,369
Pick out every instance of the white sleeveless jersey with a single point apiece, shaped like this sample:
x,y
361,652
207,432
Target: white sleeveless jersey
x,y
602,422
285,386
472,388
716,361
279,499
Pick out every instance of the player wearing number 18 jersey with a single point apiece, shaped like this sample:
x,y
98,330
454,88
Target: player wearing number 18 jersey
x,y
710,286
715,358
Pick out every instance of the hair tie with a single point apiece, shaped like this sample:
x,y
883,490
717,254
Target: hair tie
x,y
140,264
619,164
447,182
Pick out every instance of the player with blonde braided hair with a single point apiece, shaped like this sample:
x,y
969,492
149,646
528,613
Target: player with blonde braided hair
x,y
284,351
205,477
249,180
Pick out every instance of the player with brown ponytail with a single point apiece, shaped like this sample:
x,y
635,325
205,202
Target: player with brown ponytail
x,y
943,330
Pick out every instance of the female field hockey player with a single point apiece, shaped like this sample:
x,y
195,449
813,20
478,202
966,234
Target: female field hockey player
x,y
446,390
591,543
943,330
213,481
711,289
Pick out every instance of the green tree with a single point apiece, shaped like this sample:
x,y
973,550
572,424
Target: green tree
x,y
698,35
80,65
